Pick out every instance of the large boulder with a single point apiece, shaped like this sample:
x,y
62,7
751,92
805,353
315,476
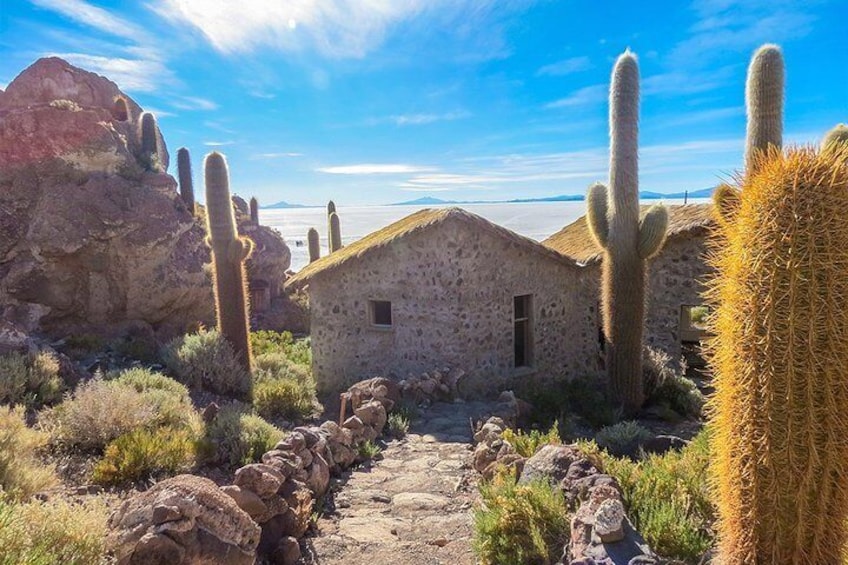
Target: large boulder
x,y
184,520
89,240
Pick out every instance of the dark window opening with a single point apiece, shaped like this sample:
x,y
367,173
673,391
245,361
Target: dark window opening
x,y
381,313
523,334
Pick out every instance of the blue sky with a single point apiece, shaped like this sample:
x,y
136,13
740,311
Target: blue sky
x,y
377,101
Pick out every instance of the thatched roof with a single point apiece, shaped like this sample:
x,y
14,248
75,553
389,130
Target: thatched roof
x,y
414,223
575,241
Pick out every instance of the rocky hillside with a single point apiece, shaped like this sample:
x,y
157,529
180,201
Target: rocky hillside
x,y
89,239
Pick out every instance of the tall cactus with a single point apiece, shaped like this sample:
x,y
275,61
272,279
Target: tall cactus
x,y
229,252
331,208
184,175
254,211
779,357
627,241
335,233
149,133
314,245
764,102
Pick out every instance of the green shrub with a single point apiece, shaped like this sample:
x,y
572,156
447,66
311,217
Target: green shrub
x,y
80,345
55,532
622,438
205,360
666,385
368,450
298,351
139,348
30,379
398,424
667,496
527,444
236,437
21,473
526,524
143,379
100,411
143,453
283,389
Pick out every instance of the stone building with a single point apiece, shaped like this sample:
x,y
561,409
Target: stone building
x,y
675,276
446,288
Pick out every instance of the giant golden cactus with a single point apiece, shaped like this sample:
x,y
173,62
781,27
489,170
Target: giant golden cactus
x,y
780,358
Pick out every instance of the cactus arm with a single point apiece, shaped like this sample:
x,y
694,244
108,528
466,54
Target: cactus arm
x,y
596,214
764,102
838,134
150,143
652,231
726,201
331,207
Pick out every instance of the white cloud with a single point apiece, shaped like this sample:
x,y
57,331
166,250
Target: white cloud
x,y
373,169
192,103
582,97
159,113
565,67
277,155
419,119
217,143
140,75
92,16
333,28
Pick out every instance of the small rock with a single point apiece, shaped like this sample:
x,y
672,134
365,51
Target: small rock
x,y
608,521
438,542
287,552
262,479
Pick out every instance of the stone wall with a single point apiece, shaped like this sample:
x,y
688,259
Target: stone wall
x,y
675,279
451,287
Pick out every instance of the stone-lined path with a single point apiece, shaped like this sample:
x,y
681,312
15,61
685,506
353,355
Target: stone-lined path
x,y
412,507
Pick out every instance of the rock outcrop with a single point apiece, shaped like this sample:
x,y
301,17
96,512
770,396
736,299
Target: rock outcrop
x,y
92,238
183,520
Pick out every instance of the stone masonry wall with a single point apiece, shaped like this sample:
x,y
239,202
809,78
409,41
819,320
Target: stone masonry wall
x,y
451,288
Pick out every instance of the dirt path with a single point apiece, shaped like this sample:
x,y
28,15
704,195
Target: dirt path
x,y
412,507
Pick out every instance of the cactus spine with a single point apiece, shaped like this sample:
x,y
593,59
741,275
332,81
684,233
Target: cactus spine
x,y
314,245
254,211
779,357
335,233
764,102
229,252
150,143
613,217
184,175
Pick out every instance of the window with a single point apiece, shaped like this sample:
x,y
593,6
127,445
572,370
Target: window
x,y
380,312
523,335
693,323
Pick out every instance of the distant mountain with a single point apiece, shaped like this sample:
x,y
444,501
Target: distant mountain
x,y
284,204
644,195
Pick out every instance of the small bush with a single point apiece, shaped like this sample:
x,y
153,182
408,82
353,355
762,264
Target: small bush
x,y
143,380
236,437
205,360
369,450
143,453
21,473
298,352
526,524
30,379
398,424
56,532
283,389
624,438
138,348
80,345
527,444
666,385
667,496
101,411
